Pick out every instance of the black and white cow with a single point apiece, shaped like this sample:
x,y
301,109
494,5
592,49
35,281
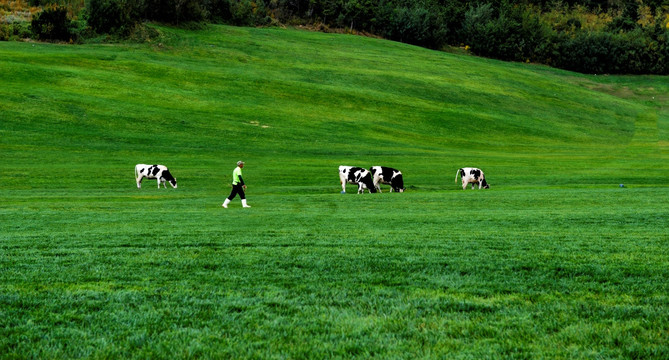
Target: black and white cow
x,y
389,176
358,176
158,172
471,176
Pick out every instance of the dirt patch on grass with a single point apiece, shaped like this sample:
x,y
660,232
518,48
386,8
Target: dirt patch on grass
x,y
644,93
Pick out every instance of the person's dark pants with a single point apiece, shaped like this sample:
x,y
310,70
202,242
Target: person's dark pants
x,y
237,189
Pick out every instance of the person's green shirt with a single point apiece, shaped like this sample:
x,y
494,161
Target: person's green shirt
x,y
237,176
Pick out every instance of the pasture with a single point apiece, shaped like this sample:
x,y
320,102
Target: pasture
x,y
554,261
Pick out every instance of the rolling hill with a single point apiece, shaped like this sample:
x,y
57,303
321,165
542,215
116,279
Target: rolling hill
x,y
277,94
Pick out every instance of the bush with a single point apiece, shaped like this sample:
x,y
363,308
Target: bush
x,y
113,16
4,32
642,51
416,25
512,34
601,53
16,30
21,30
586,52
219,11
475,20
242,13
52,24
239,12
654,44
174,11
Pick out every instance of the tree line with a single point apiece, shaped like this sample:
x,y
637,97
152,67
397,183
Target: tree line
x,y
589,36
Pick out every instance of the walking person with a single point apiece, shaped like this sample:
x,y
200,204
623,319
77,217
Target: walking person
x,y
238,186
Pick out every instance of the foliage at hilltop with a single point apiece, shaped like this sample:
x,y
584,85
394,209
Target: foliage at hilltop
x,y
618,37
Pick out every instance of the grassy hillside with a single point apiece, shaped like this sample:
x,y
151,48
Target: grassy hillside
x,y
554,261
265,94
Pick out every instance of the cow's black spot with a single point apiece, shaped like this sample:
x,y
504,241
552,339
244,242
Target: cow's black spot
x,y
387,173
167,175
354,174
154,170
367,180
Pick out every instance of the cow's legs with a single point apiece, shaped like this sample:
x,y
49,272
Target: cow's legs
x,y
464,184
343,186
139,182
377,184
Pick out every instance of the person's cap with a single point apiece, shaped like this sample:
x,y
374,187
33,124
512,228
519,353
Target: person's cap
x,y
239,162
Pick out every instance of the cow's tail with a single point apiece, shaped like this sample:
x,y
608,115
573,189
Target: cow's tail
x,y
456,175
136,173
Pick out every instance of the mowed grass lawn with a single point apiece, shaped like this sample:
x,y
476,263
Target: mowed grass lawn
x,y
556,260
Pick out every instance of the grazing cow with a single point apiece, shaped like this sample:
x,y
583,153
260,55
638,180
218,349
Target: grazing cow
x,y
472,176
356,175
386,175
158,172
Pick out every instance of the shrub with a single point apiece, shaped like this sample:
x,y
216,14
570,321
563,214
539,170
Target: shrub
x,y
650,53
112,16
219,11
242,13
512,34
627,21
416,25
474,23
52,24
239,12
174,11
21,29
659,45
586,52
642,51
4,32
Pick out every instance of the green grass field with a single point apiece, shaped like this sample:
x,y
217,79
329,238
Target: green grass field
x,y
555,261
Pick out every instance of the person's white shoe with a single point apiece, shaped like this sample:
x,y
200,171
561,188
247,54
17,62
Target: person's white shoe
x,y
225,203
244,203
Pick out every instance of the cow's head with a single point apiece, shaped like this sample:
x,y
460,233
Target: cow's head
x,y
485,184
168,176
